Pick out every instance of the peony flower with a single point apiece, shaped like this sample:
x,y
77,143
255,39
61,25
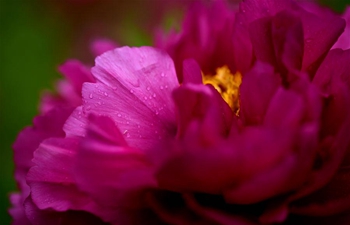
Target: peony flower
x,y
187,138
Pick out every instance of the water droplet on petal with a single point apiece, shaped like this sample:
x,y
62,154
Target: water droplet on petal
x,y
162,75
106,94
308,40
148,88
90,96
119,115
154,95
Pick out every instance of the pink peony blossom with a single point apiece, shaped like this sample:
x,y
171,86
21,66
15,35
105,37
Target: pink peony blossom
x,y
255,133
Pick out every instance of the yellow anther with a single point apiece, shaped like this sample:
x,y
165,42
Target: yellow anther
x,y
227,84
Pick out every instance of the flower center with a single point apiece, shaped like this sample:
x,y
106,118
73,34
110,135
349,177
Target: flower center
x,y
227,84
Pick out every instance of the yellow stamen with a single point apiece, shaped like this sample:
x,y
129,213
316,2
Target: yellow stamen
x,y
227,84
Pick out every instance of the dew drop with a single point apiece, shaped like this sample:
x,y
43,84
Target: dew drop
x,y
145,97
119,115
90,96
162,75
308,40
161,87
131,91
154,95
106,94
148,88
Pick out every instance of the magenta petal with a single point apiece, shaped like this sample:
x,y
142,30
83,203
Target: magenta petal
x,y
144,73
76,123
206,37
285,110
320,33
199,170
44,126
333,78
134,118
288,39
76,73
134,85
45,217
191,72
331,199
100,46
270,183
50,179
344,39
253,9
107,169
334,151
258,87
17,210
243,49
204,104
335,68
260,35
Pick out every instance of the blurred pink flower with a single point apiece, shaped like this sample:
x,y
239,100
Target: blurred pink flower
x,y
265,141
55,109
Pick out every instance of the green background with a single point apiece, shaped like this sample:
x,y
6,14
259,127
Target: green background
x,y
35,37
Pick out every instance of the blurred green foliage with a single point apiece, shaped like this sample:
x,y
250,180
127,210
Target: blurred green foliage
x,y
29,54
33,41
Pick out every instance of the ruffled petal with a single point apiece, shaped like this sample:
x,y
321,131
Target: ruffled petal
x,y
110,171
77,73
45,217
257,89
343,41
124,68
120,94
191,72
50,179
206,36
